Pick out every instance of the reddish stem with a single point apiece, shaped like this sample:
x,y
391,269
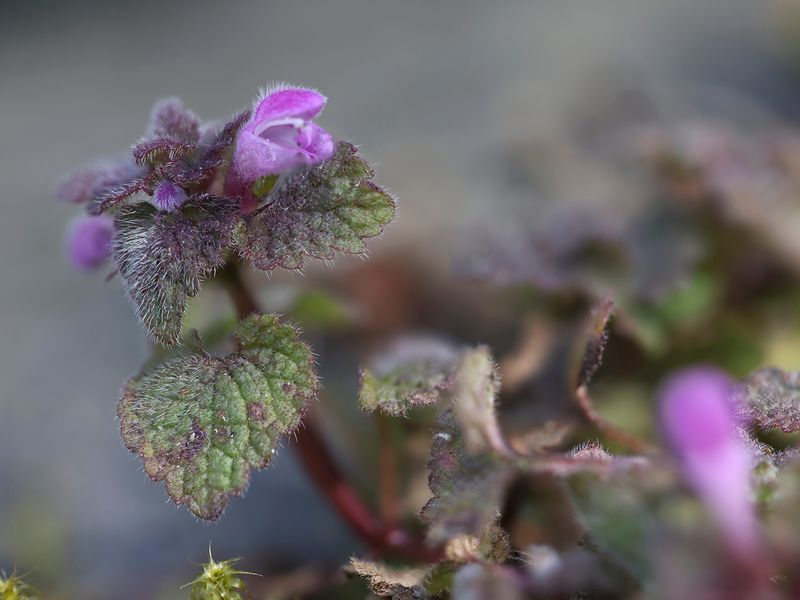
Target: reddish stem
x,y
617,434
387,471
326,474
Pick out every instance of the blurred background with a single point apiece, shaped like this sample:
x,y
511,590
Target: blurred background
x,y
441,95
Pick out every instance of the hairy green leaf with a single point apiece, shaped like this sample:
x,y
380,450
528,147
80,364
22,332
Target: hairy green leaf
x,y
328,207
201,423
476,386
412,371
162,258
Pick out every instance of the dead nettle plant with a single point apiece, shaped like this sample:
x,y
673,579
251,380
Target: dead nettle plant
x,y
269,189
193,200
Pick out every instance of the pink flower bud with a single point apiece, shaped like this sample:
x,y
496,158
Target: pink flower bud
x,y
89,241
168,196
698,420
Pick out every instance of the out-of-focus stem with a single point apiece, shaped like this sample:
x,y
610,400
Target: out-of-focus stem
x,y
617,434
382,538
387,471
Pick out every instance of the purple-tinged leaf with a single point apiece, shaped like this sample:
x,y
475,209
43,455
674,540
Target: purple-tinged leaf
x,y
468,489
157,150
217,142
317,211
114,196
211,154
594,254
86,184
162,258
770,398
202,423
589,346
571,249
170,118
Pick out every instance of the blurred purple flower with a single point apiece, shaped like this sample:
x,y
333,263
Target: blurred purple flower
x,y
89,241
280,135
699,422
168,196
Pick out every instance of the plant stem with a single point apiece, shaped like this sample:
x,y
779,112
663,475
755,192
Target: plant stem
x,y
615,433
387,470
325,473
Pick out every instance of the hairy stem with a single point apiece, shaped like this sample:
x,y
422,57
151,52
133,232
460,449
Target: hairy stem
x,y
382,538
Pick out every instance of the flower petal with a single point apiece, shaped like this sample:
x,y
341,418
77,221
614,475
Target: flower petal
x,y
291,102
89,241
695,410
318,144
256,157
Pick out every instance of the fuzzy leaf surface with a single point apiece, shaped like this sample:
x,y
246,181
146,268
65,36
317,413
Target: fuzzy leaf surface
x,y
468,489
412,371
156,150
771,399
162,258
387,582
201,423
591,344
119,194
332,206
476,387
196,170
169,118
86,184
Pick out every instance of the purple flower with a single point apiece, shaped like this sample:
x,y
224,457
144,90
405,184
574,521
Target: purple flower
x,y
698,419
280,135
89,241
168,196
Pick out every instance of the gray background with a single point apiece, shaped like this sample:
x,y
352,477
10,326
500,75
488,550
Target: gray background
x,y
431,90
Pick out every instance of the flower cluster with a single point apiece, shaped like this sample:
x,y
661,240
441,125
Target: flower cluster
x,y
179,158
